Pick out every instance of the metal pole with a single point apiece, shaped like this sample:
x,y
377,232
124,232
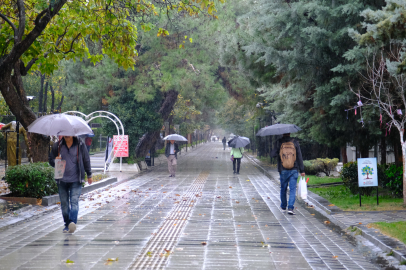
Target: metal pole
x,y
359,191
100,141
377,197
18,141
153,157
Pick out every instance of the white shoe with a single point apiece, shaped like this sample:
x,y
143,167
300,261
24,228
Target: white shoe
x,y
72,227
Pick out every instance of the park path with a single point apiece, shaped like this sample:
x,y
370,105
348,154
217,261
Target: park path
x,y
205,218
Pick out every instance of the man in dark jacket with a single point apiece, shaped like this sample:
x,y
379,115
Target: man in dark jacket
x,y
224,143
288,176
74,152
171,153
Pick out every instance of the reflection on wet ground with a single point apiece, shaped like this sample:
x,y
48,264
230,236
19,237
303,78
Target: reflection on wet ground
x,y
9,206
205,218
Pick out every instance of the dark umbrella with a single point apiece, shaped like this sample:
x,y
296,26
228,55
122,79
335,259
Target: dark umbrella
x,y
238,142
278,129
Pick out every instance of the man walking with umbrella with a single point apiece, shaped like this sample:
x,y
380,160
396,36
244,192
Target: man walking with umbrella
x,y
237,144
171,153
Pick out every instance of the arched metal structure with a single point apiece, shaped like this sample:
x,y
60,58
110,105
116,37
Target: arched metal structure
x,y
112,117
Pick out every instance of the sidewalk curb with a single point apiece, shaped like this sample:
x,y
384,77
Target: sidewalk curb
x,y
321,205
53,199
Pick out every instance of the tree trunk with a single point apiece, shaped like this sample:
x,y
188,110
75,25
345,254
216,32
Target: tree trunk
x,y
364,153
40,93
149,139
383,150
46,97
60,104
402,143
397,150
344,154
39,147
52,97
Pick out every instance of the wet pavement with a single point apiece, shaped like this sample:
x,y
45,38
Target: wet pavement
x,y
205,218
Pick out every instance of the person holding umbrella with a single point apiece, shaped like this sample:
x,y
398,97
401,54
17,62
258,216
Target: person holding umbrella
x,y
237,144
171,152
71,151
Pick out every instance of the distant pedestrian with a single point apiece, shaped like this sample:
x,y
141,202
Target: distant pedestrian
x,y
236,155
171,153
88,142
224,143
73,151
290,161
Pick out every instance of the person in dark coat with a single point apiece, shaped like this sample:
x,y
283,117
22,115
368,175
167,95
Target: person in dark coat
x,y
74,152
288,176
171,153
224,143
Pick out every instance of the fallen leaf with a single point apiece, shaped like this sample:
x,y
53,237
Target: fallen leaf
x,y
312,214
149,253
237,202
248,180
177,195
327,222
360,223
204,243
230,187
69,261
331,205
335,257
112,259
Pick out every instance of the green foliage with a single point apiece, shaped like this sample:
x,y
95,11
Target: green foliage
x,y
349,174
326,165
34,180
395,179
310,167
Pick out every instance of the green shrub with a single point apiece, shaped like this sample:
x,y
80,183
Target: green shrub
x,y
394,181
310,167
34,180
326,165
349,174
130,160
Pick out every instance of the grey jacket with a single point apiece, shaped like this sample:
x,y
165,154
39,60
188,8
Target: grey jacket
x,y
299,160
168,149
84,159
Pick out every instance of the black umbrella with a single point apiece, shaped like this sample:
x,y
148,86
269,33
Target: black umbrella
x,y
278,129
238,142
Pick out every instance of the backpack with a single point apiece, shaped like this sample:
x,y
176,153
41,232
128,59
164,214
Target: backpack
x,y
287,154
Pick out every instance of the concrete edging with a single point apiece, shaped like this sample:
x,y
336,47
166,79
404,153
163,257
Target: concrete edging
x,y
321,205
53,199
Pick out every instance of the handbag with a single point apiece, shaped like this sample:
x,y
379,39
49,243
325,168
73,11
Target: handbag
x,y
232,158
302,189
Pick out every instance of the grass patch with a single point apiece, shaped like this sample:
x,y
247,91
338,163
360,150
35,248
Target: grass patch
x,y
316,180
342,197
396,230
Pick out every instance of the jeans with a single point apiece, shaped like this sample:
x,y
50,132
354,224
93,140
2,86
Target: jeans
x,y
69,195
288,177
238,160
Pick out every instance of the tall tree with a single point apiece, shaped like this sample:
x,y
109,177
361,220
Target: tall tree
x,y
38,34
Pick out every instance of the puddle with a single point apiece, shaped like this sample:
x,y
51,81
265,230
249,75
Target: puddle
x,y
9,206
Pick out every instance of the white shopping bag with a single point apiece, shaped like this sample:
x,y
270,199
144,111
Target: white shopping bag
x,y
302,189
59,168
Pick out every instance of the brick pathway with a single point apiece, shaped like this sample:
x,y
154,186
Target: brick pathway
x,y
205,218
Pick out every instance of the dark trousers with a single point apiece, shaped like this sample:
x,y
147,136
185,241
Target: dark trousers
x,y
238,160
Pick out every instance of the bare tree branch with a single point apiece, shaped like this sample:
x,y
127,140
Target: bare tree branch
x,y
10,23
21,21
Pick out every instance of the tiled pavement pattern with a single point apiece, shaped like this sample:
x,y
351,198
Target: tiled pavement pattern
x,y
234,224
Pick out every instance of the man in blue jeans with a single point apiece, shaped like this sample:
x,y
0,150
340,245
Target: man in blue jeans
x,y
292,159
74,152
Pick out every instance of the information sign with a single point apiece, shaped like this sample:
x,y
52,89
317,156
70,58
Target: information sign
x,y
123,151
367,172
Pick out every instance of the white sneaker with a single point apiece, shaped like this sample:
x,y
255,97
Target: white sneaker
x,y
72,227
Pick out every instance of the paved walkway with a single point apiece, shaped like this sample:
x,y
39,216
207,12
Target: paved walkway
x,y
205,218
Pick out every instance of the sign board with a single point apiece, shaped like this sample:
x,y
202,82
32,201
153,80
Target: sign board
x,y
123,151
367,172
